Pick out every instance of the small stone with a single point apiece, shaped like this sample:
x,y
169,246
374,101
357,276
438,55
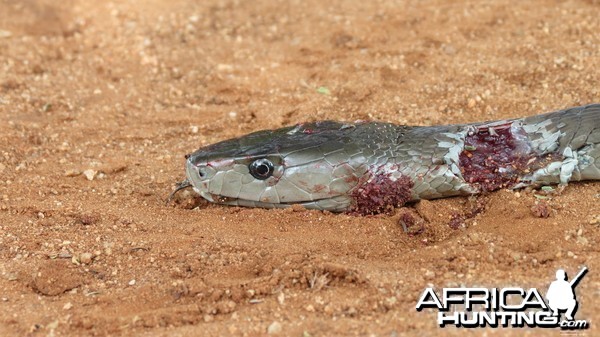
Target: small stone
x,y
87,219
89,174
208,318
68,306
274,328
516,256
132,282
582,240
72,173
310,308
85,258
52,325
540,210
281,298
471,103
224,67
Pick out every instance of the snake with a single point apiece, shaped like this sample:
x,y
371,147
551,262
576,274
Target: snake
x,y
370,167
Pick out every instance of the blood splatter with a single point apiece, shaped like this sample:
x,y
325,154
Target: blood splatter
x,y
494,157
458,219
410,224
381,194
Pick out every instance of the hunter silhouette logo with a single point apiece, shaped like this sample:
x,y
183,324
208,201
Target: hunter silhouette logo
x,y
561,294
508,307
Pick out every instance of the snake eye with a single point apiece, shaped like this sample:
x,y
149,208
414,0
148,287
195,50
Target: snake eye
x,y
261,169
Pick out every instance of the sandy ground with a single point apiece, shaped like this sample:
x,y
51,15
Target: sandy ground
x,y
99,102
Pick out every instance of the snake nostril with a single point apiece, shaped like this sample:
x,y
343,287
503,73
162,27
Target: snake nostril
x,y
201,172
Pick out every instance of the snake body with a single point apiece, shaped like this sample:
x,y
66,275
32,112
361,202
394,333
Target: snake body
x,y
368,167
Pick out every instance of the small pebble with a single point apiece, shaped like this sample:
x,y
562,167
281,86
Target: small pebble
x,y
516,256
89,174
281,298
68,306
224,67
72,173
132,282
540,210
85,258
274,328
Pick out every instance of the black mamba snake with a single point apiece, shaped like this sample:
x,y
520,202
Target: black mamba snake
x,y
368,167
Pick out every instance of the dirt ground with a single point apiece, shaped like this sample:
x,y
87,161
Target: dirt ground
x,y
100,101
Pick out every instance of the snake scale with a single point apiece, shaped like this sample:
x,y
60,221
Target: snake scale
x,y
368,167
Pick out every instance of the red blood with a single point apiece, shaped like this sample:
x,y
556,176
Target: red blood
x,y
410,224
459,219
456,221
318,188
381,194
494,160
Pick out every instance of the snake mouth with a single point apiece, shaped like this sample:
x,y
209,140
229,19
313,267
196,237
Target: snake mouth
x,y
338,203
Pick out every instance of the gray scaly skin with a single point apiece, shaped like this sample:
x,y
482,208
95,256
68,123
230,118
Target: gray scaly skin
x,y
368,167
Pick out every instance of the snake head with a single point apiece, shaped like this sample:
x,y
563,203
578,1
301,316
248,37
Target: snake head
x,y
312,164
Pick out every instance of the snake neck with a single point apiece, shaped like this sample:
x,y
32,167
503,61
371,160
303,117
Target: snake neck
x,y
404,164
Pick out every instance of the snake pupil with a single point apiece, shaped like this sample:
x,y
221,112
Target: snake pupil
x,y
261,169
